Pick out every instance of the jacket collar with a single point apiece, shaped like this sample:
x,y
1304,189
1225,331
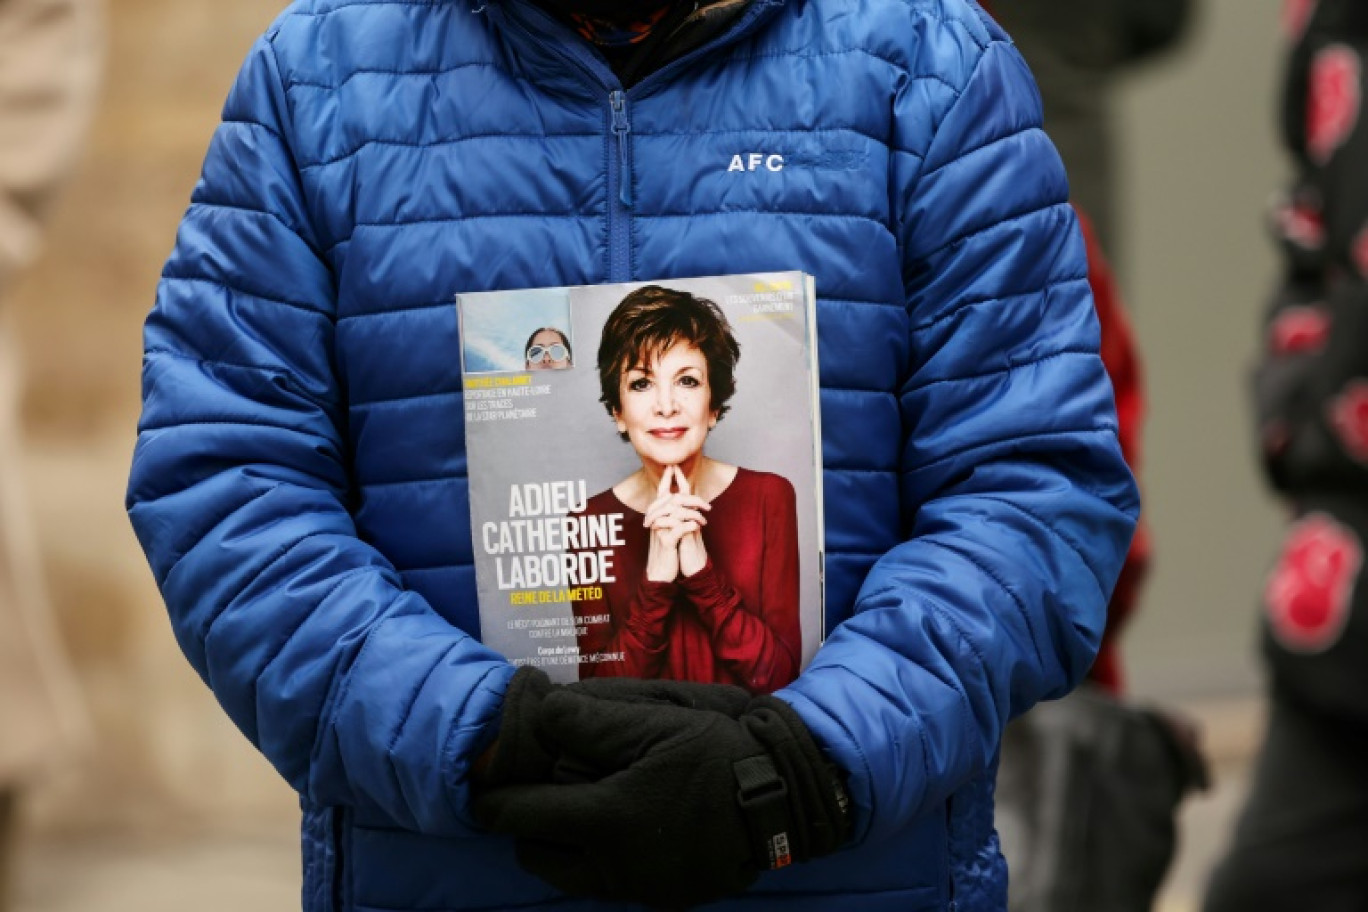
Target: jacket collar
x,y
556,59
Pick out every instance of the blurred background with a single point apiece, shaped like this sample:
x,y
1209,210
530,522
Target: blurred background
x,y
169,796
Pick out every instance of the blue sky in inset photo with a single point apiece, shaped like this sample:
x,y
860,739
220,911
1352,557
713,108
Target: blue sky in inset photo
x,y
494,328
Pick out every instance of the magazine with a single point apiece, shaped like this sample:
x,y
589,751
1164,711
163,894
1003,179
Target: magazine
x,y
645,477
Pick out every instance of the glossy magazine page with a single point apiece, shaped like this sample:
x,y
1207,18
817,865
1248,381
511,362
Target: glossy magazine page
x,y
645,477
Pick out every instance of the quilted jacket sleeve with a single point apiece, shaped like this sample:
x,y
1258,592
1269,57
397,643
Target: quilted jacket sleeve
x,y
356,690
1017,502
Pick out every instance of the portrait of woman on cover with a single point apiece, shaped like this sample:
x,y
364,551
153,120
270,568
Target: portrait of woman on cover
x,y
706,586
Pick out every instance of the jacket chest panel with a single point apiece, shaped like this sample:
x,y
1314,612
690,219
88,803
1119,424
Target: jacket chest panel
x,y
543,189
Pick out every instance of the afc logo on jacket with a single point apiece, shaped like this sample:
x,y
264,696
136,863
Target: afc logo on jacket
x,y
754,161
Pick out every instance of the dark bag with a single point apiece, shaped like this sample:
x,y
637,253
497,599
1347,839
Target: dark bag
x,y
1088,790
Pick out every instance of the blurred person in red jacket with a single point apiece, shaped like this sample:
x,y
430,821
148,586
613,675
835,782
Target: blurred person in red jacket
x,y
1122,359
1093,764
49,59
1075,49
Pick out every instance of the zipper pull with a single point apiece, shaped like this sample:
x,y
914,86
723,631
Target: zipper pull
x,y
621,128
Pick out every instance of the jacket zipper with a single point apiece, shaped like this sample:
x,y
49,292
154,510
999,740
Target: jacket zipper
x,y
620,203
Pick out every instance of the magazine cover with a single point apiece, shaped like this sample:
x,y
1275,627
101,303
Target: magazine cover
x,y
645,477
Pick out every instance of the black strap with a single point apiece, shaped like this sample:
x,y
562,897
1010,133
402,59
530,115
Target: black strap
x,y
763,797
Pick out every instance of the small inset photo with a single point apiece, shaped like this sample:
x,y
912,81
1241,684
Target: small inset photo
x,y
518,331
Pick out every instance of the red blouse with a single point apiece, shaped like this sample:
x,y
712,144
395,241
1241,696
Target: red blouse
x,y
733,622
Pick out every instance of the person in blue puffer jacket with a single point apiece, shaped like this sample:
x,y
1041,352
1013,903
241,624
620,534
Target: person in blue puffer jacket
x,y
299,483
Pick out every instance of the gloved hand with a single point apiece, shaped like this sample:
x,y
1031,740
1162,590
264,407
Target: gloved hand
x,y
666,805
724,698
518,755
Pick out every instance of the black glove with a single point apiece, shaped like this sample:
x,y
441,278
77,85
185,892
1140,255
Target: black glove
x,y
518,755
666,805
729,701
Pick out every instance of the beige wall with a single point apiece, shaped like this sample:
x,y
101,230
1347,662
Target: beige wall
x,y
1200,160
164,748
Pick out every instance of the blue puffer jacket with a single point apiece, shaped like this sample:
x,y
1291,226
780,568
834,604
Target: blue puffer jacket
x,y
300,477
